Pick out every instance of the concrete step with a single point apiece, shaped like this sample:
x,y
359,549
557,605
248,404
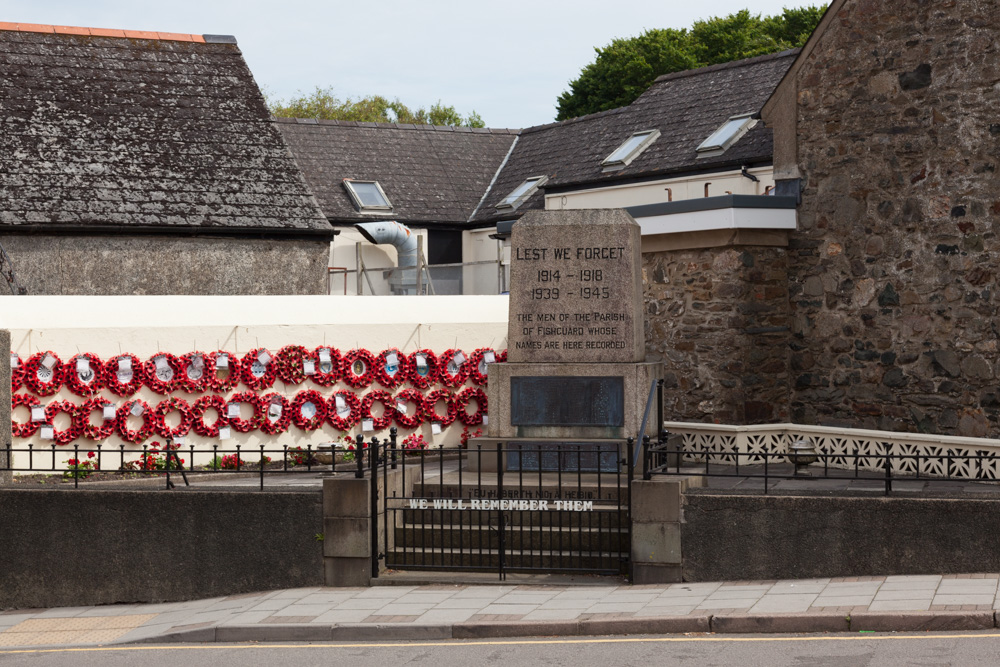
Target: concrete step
x,y
569,490
547,538
611,517
603,561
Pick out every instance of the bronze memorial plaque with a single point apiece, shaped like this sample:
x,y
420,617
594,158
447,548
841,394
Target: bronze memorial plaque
x,y
567,401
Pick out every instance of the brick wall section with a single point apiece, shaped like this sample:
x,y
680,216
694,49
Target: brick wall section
x,y
893,271
718,319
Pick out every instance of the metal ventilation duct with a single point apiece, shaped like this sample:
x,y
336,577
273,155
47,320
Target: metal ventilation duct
x,y
403,280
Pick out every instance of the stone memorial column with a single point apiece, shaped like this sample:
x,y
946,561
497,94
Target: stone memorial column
x,y
575,366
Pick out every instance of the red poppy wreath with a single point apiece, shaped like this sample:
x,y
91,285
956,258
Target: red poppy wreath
x,y
328,363
430,407
41,373
388,408
403,417
135,407
392,368
28,428
173,404
68,435
162,372
82,419
358,368
123,374
246,425
258,369
203,405
194,375
423,369
454,368
223,371
277,414
462,403
308,410
345,412
16,372
84,374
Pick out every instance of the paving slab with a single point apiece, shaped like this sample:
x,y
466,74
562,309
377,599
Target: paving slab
x,y
440,610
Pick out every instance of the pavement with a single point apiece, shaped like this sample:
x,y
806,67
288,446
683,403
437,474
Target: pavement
x,y
410,610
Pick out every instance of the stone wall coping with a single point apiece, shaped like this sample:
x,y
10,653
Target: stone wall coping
x,y
802,429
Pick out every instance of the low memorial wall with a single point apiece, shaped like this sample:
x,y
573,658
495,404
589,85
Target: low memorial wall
x,y
82,547
751,537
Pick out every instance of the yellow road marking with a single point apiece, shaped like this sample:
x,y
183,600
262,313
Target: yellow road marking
x,y
511,642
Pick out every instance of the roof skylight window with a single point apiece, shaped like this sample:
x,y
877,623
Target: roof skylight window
x,y
367,195
521,193
630,150
727,135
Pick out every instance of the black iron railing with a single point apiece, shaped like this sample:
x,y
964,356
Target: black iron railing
x,y
508,507
80,464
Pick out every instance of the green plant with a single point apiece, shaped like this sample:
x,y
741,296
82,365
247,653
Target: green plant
x,y
81,469
155,459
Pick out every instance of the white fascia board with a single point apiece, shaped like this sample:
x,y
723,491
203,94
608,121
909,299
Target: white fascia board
x,y
720,218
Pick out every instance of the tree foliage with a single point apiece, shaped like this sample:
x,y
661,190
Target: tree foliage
x,y
626,67
324,104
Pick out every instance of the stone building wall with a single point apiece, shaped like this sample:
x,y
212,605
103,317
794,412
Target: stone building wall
x,y
893,281
718,319
96,265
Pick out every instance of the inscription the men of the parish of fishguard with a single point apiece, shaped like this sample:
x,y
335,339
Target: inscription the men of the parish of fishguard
x,y
576,301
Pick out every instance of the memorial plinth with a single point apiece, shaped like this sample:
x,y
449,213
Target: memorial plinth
x,y
575,367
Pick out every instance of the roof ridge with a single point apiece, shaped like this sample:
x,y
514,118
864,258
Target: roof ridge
x,y
732,64
106,32
578,119
396,126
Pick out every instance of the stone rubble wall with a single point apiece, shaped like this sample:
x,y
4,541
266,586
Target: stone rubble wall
x,y
718,319
103,265
893,269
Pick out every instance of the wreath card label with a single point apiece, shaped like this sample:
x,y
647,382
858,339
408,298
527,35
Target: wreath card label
x,y
196,369
124,370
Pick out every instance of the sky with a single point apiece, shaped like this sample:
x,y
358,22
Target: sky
x,y
508,61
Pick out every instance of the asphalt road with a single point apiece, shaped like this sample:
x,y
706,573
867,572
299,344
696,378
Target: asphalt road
x,y
855,650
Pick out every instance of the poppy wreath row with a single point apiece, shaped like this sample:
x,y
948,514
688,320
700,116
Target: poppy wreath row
x,y
308,411
196,372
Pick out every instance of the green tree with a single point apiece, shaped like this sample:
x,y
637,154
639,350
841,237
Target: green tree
x,y
626,67
323,103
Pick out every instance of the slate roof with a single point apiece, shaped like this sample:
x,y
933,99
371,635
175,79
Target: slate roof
x,y
686,107
113,130
431,175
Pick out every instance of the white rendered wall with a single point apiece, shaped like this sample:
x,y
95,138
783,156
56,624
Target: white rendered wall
x,y
145,325
655,192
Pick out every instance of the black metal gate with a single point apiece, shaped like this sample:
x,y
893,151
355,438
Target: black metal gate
x,y
514,507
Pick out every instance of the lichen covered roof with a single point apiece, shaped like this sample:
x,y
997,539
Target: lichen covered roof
x,y
431,174
140,129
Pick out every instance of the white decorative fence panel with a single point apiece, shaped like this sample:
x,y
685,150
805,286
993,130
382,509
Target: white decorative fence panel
x,y
910,453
